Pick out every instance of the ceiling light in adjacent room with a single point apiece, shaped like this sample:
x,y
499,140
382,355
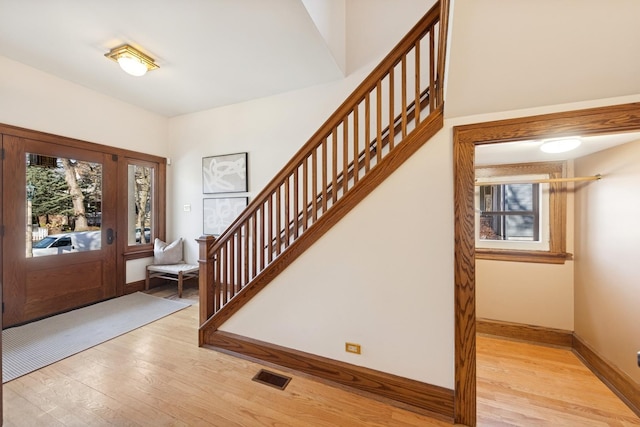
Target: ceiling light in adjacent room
x,y
560,145
131,60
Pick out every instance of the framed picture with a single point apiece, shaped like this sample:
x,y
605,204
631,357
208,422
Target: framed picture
x,y
224,174
219,213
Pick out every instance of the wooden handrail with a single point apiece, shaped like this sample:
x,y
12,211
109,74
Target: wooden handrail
x,y
387,107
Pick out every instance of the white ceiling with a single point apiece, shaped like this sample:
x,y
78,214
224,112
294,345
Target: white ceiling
x,y
210,52
529,151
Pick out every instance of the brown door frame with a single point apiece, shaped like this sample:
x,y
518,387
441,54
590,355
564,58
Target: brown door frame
x,y
122,157
42,286
588,122
1,266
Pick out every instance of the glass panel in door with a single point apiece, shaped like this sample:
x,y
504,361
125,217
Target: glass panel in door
x,y
64,205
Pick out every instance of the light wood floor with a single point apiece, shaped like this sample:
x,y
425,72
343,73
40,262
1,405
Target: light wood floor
x,y
158,376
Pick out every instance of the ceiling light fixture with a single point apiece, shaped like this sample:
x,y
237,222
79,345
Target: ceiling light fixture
x,y
131,60
560,145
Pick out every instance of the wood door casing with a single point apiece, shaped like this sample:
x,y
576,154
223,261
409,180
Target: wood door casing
x,y
1,270
41,286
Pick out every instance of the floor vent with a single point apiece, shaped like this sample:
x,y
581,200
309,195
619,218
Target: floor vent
x,y
272,379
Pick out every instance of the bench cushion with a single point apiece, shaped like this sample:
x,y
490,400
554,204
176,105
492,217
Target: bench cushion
x,y
174,268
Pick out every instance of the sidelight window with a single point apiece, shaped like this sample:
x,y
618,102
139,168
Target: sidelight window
x,y
141,190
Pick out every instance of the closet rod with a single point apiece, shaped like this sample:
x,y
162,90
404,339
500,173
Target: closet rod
x,y
543,181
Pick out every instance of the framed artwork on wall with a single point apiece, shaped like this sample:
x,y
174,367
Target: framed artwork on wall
x,y
219,213
224,174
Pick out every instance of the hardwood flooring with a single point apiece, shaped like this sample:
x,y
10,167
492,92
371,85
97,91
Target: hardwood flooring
x,y
158,376
520,384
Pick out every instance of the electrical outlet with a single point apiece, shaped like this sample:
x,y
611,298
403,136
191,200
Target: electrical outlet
x,y
186,208
352,348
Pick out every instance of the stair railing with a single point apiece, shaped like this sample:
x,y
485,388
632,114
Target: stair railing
x,y
375,119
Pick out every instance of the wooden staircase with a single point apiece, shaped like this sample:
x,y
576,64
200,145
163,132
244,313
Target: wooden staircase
x,y
388,117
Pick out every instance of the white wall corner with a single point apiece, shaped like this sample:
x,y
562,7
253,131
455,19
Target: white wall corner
x,y
329,17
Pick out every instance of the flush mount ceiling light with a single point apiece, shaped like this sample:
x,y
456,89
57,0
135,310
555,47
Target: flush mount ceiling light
x,y
560,145
132,61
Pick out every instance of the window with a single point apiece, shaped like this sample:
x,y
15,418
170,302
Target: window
x,y
65,241
143,201
141,189
519,213
510,212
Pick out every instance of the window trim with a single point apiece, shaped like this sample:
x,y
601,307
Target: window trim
x,y
154,203
131,252
557,214
540,213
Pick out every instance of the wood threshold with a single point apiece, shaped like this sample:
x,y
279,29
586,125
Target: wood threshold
x,y
402,392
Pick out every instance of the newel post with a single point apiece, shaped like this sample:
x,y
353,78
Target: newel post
x,y
205,281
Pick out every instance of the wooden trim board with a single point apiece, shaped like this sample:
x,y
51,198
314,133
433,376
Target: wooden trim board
x,y
402,392
529,333
620,383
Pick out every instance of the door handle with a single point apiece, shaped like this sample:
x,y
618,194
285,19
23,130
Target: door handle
x,y
110,236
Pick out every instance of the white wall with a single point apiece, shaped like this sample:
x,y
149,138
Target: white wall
x,y
382,278
508,55
607,254
39,101
527,293
374,27
329,16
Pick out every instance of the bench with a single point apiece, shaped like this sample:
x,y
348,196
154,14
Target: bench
x,y
176,272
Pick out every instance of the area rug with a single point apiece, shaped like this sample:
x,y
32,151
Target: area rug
x,y
38,344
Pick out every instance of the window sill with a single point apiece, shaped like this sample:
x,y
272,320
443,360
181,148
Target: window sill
x,y
523,256
145,251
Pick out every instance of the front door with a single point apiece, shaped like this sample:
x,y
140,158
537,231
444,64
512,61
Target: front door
x,y
59,249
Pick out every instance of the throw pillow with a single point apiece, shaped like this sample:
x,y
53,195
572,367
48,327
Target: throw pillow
x,y
164,253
